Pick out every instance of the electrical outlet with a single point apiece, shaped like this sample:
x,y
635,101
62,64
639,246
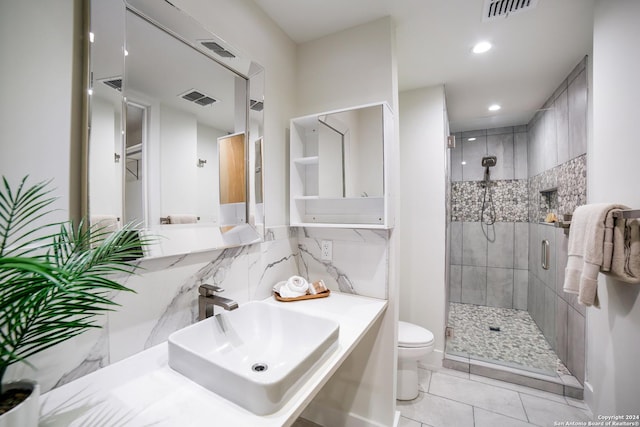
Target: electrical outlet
x,y
326,250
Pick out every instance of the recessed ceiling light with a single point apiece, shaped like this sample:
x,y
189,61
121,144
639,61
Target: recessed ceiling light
x,y
463,163
471,139
481,47
494,107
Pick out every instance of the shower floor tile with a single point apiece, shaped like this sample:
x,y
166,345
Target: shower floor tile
x,y
519,342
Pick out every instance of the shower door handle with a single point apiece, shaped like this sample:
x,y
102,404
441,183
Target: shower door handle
x,y
544,256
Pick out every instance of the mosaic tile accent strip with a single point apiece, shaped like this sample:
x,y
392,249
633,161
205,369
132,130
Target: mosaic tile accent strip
x,y
570,183
510,198
519,342
573,189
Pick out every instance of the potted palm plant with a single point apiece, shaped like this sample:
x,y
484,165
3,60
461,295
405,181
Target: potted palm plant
x,y
55,278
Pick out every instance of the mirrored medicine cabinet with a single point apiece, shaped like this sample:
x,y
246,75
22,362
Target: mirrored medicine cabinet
x,y
340,168
175,129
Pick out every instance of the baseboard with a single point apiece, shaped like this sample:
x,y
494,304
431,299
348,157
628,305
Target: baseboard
x,y
396,420
330,417
589,397
432,361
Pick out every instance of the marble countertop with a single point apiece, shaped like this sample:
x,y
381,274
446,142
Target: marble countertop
x,y
143,390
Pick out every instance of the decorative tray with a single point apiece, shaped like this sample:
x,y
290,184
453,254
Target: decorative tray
x,y
323,294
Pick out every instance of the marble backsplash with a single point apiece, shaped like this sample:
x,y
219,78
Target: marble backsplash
x,y
165,297
360,259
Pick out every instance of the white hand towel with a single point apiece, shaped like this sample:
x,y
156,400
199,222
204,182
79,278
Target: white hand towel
x,y
296,286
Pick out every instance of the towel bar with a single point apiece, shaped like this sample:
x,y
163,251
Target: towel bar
x,y
627,214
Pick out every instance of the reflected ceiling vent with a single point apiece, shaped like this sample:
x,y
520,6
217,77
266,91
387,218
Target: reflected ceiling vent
x,y
495,9
256,105
217,49
198,97
113,83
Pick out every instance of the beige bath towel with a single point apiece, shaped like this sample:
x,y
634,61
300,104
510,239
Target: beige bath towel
x,y
625,264
586,250
182,219
102,226
106,223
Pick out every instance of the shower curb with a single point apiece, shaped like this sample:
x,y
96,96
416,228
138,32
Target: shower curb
x,y
564,385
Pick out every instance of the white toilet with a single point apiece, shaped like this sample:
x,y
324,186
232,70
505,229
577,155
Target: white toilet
x,y
414,342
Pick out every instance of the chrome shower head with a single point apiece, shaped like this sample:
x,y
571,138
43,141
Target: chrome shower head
x,y
489,161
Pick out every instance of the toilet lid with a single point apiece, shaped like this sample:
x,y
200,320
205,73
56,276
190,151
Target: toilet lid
x,y
410,335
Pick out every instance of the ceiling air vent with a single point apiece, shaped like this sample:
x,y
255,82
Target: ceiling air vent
x,y
217,49
494,9
256,105
198,97
114,83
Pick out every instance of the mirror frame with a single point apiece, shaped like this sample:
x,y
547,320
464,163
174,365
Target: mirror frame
x,y
186,29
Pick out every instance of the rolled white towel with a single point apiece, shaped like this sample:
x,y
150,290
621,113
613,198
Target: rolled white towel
x,y
296,286
279,286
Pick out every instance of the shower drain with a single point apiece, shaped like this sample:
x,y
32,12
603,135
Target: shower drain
x,y
259,367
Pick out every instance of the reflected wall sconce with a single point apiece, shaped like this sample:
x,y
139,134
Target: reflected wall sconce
x,y
116,157
201,163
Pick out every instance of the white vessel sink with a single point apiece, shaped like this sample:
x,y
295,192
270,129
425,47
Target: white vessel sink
x,y
256,356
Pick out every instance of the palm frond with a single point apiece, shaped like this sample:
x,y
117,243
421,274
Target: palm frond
x,y
18,211
55,278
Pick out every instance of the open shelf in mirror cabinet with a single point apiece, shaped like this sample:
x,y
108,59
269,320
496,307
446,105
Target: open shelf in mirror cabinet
x,y
340,168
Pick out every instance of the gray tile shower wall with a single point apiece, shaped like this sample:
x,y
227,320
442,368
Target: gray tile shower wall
x,y
489,264
508,144
557,138
558,132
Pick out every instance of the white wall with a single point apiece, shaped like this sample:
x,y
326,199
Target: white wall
x,y
36,84
368,156
178,159
208,177
613,331
348,68
330,163
422,209
105,175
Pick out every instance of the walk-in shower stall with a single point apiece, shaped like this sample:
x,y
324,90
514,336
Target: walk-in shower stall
x,y
506,265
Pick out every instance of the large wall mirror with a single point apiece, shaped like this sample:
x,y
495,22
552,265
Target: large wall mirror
x,y
176,125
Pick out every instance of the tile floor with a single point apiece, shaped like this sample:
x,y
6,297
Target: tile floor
x,y
451,398
519,343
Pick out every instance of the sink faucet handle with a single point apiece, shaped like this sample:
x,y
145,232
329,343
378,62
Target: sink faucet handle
x,y
209,290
